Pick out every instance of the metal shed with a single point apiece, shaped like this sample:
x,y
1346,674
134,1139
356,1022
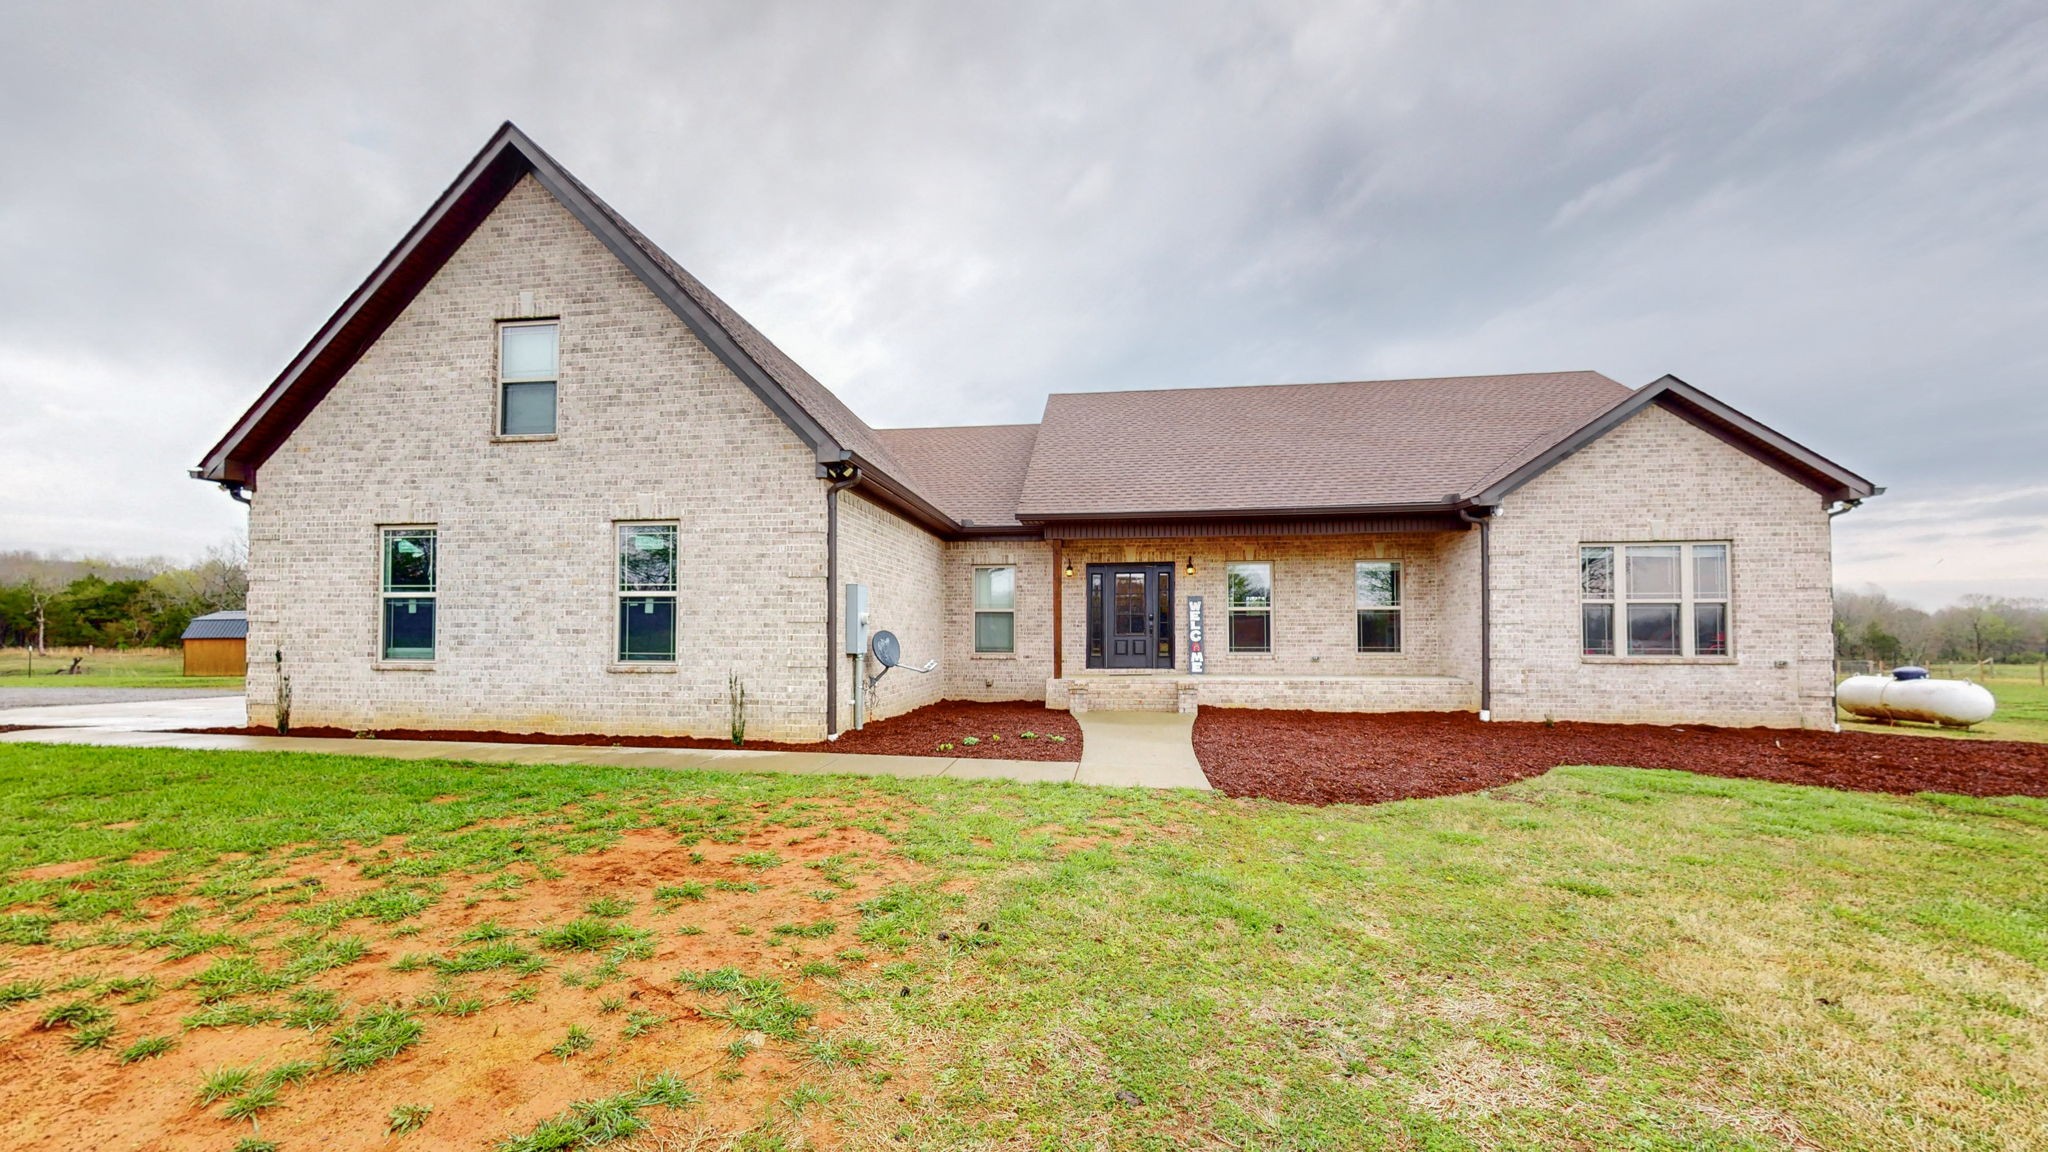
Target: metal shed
x,y
217,644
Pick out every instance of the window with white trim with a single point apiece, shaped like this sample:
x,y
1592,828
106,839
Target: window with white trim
x,y
647,593
1654,599
408,594
528,370
1379,605
1251,606
995,609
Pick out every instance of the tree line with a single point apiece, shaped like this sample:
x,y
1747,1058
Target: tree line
x,y
48,602
1872,626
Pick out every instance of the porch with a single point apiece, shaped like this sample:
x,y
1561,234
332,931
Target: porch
x,y
1170,691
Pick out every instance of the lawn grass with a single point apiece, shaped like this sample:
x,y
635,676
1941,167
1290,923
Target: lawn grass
x,y
2022,706
1601,957
105,668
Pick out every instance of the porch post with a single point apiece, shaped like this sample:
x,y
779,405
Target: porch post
x,y
1059,586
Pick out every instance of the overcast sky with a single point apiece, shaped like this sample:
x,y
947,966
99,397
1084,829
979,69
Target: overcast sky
x,y
1833,216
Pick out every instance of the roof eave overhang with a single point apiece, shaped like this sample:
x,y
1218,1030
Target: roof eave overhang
x,y
1832,481
901,499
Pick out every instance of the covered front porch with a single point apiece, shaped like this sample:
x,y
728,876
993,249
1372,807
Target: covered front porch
x,y
1357,614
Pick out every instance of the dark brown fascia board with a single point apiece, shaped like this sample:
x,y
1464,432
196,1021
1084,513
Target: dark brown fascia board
x,y
707,330
1817,472
222,465
901,499
219,463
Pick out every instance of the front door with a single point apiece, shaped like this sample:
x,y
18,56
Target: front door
x,y
1132,621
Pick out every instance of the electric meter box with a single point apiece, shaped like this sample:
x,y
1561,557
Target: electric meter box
x,y
856,619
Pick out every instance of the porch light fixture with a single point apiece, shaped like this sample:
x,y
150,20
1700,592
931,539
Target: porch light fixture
x,y
1191,565
1070,569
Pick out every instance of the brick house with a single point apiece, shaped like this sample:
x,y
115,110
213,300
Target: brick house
x,y
533,475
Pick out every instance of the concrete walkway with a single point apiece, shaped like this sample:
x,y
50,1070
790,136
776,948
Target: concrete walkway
x,y
143,725
1149,749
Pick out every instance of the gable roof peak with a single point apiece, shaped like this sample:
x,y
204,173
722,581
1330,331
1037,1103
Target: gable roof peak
x,y
819,418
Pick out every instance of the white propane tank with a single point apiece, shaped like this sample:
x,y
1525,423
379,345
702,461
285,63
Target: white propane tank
x,y
1907,694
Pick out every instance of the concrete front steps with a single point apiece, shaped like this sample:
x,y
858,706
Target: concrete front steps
x,y
1181,692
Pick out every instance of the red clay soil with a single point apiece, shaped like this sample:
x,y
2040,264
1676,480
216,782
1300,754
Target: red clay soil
x,y
915,733
488,1072
1353,758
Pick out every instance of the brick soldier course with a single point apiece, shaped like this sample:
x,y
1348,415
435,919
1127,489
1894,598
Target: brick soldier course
x,y
671,409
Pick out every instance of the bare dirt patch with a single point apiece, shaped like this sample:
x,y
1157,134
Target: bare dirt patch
x,y
494,1057
1358,758
998,729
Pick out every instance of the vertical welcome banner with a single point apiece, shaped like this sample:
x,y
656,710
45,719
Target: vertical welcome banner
x,y
1195,634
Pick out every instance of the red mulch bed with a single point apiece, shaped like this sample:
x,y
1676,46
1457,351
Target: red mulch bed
x,y
1355,758
915,733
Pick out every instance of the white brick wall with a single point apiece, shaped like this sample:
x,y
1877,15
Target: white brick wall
x,y
901,565
651,426
1659,478
1020,675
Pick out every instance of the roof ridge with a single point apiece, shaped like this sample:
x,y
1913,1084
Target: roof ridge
x,y
1341,383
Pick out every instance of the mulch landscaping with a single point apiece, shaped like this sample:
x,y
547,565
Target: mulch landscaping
x,y
998,730
1370,758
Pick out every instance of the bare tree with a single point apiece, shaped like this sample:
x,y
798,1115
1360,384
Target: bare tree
x,y
41,590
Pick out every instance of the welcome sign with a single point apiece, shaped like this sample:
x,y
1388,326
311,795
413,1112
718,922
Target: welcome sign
x,y
1195,635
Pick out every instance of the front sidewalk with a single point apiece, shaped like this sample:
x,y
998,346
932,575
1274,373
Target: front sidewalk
x,y
1128,759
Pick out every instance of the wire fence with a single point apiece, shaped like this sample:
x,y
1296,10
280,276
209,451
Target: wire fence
x,y
1978,672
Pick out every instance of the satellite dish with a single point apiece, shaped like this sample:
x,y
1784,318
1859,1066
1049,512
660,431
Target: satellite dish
x,y
888,651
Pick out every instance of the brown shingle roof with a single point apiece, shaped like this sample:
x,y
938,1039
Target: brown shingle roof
x,y
1297,447
976,472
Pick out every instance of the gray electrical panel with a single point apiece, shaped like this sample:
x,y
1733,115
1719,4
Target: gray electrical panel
x,y
856,619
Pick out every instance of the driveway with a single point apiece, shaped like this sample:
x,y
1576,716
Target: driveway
x,y
119,709
15,697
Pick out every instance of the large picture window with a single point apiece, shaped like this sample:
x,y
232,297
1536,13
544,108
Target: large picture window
x,y
1654,599
1379,605
528,368
995,609
647,592
1251,607
408,594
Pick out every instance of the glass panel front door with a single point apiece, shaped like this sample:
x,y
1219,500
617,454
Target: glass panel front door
x,y
1136,631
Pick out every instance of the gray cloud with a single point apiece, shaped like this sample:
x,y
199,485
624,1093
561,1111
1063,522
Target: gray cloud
x,y
1831,217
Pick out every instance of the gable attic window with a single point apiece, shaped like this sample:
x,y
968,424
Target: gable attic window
x,y
647,593
1667,600
528,367
408,593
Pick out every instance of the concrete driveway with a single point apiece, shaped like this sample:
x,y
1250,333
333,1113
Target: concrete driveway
x,y
158,712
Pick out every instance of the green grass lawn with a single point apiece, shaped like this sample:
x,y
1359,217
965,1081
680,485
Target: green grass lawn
x,y
2022,707
105,668
1601,957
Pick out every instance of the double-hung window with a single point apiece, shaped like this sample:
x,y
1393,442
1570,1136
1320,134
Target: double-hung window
x,y
995,609
1251,606
1379,605
1653,599
408,594
647,592
528,367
